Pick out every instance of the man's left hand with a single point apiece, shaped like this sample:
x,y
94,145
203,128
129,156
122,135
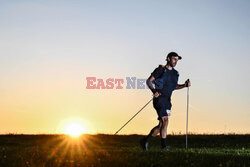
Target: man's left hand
x,y
187,83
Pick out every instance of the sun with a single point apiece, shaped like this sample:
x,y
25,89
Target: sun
x,y
74,129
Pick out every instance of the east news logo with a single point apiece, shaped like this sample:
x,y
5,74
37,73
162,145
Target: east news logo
x,y
116,83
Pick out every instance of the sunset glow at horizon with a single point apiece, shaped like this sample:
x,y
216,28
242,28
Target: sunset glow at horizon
x,y
74,129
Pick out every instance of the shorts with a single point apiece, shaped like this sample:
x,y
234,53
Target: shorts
x,y
162,107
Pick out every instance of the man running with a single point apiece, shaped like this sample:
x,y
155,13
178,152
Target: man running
x,y
165,78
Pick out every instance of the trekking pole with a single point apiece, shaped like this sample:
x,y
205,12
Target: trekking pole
x,y
187,119
135,115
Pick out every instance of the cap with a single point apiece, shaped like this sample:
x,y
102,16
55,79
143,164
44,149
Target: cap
x,y
173,54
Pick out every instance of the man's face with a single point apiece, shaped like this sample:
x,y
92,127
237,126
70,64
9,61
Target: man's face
x,y
173,61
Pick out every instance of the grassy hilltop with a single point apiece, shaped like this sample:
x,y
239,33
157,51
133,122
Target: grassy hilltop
x,y
123,150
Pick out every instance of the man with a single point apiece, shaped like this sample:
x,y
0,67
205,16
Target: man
x,y
167,82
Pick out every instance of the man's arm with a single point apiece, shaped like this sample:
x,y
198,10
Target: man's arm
x,y
151,87
150,84
180,86
186,84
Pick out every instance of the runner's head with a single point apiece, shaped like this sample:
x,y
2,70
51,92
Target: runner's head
x,y
172,59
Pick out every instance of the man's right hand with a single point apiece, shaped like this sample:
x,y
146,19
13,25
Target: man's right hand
x,y
157,94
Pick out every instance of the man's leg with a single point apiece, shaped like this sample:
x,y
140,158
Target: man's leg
x,y
163,131
154,131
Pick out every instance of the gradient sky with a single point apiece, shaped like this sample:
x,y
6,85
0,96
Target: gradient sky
x,y
48,48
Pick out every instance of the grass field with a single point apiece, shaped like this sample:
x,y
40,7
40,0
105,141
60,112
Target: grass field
x,y
123,150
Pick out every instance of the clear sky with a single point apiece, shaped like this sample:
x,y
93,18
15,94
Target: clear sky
x,y
48,48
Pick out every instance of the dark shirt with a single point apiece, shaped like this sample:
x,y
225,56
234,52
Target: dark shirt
x,y
169,79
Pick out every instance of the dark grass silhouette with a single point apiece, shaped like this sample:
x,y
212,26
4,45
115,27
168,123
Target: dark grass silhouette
x,y
123,150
